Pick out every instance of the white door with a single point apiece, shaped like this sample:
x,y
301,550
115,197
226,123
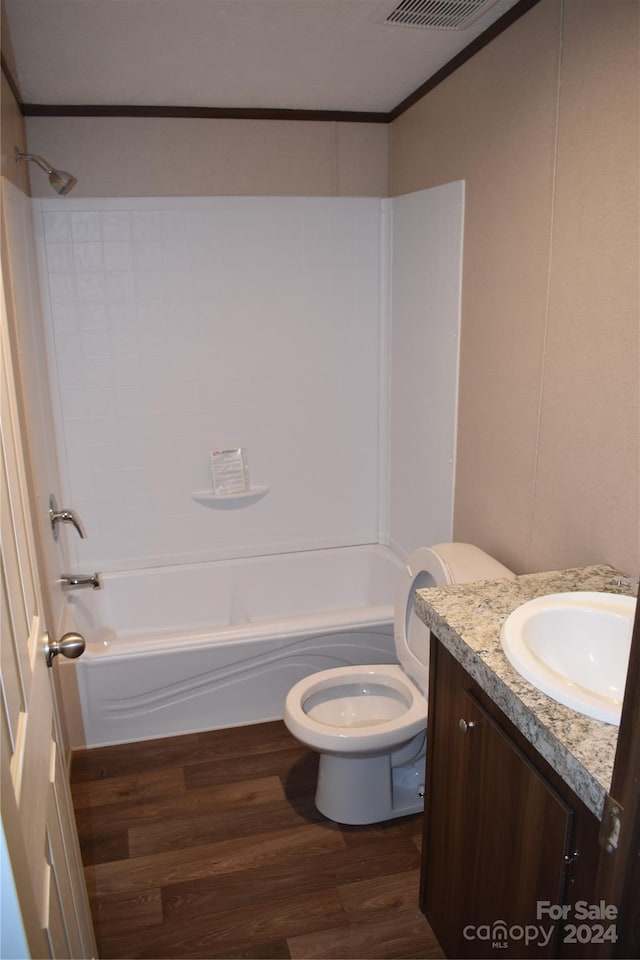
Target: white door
x,y
37,815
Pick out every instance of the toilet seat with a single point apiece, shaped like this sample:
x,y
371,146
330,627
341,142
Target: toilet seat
x,y
423,568
381,734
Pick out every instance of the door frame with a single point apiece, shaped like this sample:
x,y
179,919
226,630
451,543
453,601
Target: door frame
x,y
18,902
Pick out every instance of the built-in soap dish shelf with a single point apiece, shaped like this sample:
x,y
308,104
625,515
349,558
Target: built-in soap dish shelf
x,y
210,499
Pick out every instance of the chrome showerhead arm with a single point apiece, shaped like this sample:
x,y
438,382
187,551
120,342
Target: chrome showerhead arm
x,y
42,163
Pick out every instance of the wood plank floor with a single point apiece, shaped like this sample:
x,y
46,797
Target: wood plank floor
x,y
209,845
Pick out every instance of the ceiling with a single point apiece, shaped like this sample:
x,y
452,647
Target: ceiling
x,y
336,55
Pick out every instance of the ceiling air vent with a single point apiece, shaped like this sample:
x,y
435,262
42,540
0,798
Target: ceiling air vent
x,y
438,14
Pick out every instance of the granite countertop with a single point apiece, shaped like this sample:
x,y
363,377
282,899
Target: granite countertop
x,y
467,618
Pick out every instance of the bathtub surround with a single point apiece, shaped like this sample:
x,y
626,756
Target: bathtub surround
x,y
181,326
426,266
177,326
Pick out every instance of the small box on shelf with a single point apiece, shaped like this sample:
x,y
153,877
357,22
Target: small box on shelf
x,y
229,471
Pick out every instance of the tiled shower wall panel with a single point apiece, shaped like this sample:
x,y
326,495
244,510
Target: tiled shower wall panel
x,y
178,326
426,258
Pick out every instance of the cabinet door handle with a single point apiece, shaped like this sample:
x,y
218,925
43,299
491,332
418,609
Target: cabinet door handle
x,y
464,726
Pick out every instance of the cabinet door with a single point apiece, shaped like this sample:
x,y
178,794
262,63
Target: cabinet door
x,y
496,833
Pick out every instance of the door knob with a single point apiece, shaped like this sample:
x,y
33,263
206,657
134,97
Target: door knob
x,y
464,726
71,645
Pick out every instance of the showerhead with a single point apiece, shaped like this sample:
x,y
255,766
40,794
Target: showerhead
x,y
61,181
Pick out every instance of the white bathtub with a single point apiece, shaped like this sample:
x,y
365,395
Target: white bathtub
x,y
202,646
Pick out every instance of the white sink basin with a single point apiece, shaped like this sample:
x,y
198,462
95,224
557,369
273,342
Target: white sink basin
x,y
575,648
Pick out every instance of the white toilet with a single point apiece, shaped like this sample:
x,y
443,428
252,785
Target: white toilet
x,y
369,723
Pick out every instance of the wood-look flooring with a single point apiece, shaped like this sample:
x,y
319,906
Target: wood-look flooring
x,y
209,845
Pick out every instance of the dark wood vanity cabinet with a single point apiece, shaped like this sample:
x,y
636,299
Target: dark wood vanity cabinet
x,y
502,831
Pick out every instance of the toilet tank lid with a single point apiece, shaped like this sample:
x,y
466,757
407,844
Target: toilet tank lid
x,y
464,563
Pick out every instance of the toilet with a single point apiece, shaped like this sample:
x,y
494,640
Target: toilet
x,y
369,723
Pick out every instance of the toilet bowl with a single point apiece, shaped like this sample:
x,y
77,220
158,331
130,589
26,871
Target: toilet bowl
x,y
369,723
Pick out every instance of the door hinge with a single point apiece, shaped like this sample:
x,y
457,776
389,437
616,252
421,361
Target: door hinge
x,y
610,825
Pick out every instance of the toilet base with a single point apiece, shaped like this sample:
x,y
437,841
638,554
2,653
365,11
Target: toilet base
x,y
370,789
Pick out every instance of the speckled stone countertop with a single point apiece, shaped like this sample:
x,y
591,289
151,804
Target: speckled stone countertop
x,y
467,619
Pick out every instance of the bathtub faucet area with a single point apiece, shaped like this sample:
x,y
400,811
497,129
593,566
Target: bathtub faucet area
x,y
73,581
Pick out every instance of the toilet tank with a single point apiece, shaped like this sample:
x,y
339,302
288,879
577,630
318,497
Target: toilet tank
x,y
464,563
440,565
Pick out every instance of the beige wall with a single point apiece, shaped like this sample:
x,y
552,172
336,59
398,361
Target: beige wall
x,y
543,126
12,129
12,134
131,157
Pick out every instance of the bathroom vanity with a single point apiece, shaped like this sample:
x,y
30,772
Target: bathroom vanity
x,y
515,785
